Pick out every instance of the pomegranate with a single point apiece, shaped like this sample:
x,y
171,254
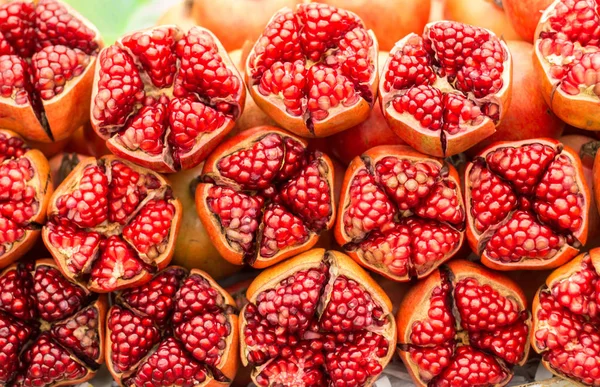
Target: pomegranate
x,y
482,13
265,197
51,330
316,320
567,61
164,98
463,326
525,15
566,320
446,90
401,213
527,204
526,101
177,330
314,70
389,19
111,224
47,58
25,189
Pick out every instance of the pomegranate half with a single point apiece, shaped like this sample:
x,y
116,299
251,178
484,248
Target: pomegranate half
x,y
51,330
47,59
463,326
314,70
444,91
164,98
567,61
112,224
401,213
316,320
25,190
527,204
178,330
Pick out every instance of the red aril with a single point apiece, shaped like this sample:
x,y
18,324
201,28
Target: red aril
x,y
566,320
525,15
316,320
567,61
265,197
442,100
527,204
164,98
47,58
112,224
314,70
401,213
463,326
488,14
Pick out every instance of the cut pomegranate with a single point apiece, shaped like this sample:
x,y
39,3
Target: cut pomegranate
x,y
164,98
566,320
314,70
265,197
316,320
112,224
446,90
527,204
47,58
401,212
178,330
25,190
51,330
567,61
463,326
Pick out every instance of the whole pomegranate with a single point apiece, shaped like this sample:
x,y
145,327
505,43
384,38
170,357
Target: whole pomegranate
x,y
316,320
527,204
389,19
525,15
47,58
51,330
447,89
25,190
566,320
164,98
528,115
265,197
314,70
179,329
567,61
482,13
463,326
112,224
401,213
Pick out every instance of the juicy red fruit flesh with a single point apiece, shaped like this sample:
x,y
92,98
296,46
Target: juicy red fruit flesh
x,y
49,328
164,97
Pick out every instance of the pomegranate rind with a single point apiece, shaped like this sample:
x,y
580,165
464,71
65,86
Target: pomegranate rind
x,y
230,359
70,183
415,304
43,188
241,141
581,110
367,161
567,251
339,119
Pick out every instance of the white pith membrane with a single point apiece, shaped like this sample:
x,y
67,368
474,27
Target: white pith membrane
x,y
275,226
31,96
444,117
111,223
293,333
51,330
437,358
299,105
573,301
410,234
513,227
151,310
158,99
